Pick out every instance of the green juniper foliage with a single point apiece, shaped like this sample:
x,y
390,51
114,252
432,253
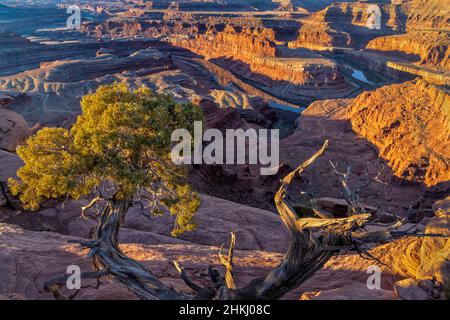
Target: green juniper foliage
x,y
123,138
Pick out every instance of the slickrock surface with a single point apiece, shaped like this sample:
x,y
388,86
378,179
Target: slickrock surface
x,y
31,257
432,259
9,163
216,218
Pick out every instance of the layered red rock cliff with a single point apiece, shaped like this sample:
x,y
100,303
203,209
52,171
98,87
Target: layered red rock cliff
x,y
432,47
343,25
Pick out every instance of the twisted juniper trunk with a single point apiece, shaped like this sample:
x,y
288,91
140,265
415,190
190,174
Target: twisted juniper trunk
x,y
107,255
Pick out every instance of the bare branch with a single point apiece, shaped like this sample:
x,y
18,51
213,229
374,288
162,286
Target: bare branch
x,y
304,257
320,212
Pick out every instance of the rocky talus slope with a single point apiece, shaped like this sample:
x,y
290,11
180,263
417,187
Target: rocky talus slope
x,y
13,130
427,14
410,125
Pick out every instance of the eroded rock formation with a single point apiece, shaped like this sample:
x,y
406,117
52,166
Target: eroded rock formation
x,y
394,140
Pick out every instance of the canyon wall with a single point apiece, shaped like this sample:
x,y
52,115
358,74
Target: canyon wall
x,y
301,72
261,56
316,35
